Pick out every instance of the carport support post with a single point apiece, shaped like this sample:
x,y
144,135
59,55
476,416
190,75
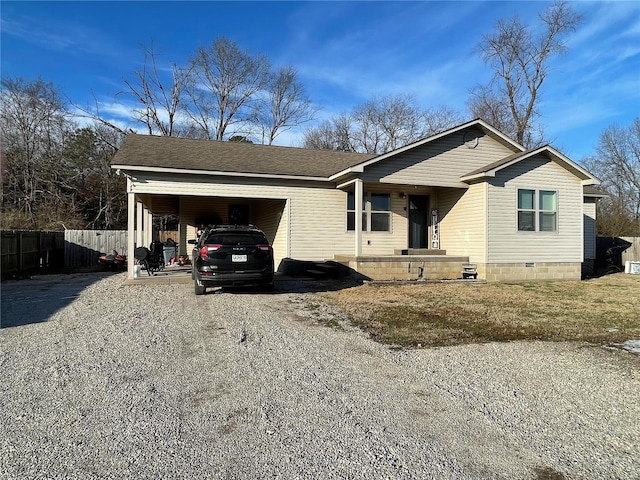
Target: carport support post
x,y
131,228
358,194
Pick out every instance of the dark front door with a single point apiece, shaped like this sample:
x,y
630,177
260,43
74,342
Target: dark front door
x,y
418,221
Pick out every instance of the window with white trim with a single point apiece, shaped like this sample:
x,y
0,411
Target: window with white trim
x,y
537,210
376,212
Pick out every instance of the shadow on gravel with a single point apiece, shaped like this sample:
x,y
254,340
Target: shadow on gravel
x,y
36,299
292,285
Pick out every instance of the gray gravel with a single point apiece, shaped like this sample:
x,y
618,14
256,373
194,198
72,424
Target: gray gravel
x,y
101,380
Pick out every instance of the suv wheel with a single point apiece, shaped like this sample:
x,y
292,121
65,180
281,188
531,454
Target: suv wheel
x,y
199,288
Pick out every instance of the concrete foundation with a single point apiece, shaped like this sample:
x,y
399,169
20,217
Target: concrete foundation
x,y
517,272
406,267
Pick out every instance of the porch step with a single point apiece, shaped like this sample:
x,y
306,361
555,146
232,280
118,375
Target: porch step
x,y
419,251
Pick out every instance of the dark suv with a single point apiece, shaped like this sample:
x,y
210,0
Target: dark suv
x,y
231,255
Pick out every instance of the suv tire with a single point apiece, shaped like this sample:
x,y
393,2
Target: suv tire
x,y
199,288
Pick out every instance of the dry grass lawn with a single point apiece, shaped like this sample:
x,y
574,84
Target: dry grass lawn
x,y
601,310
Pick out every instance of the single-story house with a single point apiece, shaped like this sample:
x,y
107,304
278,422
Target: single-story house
x,y
468,195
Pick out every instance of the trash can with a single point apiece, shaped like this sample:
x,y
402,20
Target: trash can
x,y
169,252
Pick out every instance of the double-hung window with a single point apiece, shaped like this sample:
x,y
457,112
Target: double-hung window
x,y
537,210
376,212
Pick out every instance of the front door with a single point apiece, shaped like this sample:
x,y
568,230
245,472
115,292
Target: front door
x,y
418,221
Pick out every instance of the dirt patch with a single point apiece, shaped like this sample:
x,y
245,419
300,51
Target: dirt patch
x,y
602,310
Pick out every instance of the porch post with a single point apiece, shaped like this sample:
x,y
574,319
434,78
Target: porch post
x,y
131,228
139,225
358,233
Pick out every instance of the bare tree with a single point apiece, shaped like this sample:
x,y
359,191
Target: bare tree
x,y
159,103
321,137
223,88
617,164
438,120
333,134
381,125
33,121
159,100
519,57
99,193
286,105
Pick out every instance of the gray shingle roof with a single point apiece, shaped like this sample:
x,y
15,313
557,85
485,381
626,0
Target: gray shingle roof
x,y
208,155
590,191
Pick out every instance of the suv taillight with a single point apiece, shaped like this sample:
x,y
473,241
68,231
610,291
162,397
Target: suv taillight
x,y
265,248
204,251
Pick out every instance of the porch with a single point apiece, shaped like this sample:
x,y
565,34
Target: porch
x,y
410,264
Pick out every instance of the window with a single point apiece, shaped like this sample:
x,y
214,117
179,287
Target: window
x,y
547,211
376,212
537,210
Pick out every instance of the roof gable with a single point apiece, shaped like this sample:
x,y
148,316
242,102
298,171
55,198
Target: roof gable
x,y
480,124
554,155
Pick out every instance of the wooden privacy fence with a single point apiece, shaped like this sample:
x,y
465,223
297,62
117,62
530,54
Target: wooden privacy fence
x,y
29,251
84,247
631,254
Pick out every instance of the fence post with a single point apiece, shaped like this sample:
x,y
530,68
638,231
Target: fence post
x,y
19,250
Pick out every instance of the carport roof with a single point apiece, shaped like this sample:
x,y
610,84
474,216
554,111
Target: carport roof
x,y
155,152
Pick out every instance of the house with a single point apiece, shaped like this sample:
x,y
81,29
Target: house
x,y
468,195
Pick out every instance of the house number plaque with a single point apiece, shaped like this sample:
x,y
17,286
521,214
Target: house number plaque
x,y
435,230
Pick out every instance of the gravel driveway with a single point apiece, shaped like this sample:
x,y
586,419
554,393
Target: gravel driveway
x,y
99,380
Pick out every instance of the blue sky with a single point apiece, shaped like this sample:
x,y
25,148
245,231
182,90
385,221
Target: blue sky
x,y
345,52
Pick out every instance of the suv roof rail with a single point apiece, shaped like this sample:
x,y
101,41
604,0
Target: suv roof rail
x,y
222,226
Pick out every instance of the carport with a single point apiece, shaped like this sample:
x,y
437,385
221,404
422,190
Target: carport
x,y
197,211
286,192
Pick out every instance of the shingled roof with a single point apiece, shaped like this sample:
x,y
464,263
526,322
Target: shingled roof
x,y
214,156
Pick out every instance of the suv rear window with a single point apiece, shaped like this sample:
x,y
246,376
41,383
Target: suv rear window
x,y
236,239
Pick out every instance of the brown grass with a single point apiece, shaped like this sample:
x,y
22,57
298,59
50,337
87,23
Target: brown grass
x,y
602,310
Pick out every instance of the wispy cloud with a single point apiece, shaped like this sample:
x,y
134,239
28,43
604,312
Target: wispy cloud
x,y
70,38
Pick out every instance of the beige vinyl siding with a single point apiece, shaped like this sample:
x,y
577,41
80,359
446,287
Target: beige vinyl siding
x,y
316,213
589,219
463,224
440,163
273,216
319,226
506,243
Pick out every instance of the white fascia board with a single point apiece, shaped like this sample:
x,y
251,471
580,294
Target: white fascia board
x,y
355,169
478,176
346,184
129,168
